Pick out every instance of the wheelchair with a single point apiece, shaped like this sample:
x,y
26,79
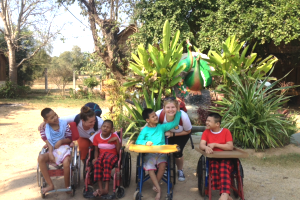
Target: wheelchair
x,y
142,177
121,175
55,171
204,176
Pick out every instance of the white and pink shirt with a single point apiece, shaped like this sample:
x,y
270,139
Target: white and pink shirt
x,y
103,144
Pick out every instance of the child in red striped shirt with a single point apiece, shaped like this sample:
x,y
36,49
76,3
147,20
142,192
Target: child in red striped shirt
x,y
215,138
107,145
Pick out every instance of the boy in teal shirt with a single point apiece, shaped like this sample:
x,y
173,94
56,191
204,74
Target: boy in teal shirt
x,y
154,134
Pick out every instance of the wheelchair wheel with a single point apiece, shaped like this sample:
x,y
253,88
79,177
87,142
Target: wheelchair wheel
x,y
235,180
173,170
78,170
120,192
126,169
137,196
201,171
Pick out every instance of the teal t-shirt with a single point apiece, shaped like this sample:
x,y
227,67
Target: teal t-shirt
x,y
157,134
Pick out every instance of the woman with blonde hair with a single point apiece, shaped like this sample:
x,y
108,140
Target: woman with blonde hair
x,y
178,135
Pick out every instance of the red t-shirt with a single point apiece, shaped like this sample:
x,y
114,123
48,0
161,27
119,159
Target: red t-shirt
x,y
103,145
221,137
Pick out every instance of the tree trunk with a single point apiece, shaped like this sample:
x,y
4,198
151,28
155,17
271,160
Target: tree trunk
x,y
13,69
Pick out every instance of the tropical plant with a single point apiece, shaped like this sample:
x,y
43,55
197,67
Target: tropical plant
x,y
155,67
249,111
230,60
136,121
115,96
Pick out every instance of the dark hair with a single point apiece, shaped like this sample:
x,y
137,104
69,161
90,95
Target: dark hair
x,y
109,121
45,112
146,112
86,112
216,116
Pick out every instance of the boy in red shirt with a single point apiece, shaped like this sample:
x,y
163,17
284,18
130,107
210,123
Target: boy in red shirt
x,y
107,145
215,138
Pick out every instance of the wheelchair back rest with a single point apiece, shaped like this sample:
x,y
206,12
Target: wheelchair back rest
x,y
75,133
120,134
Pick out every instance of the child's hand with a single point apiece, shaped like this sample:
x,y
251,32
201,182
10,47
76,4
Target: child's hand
x,y
168,134
208,150
58,144
94,160
113,139
41,126
149,143
212,145
51,158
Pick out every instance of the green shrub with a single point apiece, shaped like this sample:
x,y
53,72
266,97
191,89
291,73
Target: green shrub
x,y
250,112
10,90
91,82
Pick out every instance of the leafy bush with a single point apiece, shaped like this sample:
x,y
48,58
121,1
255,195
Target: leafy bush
x,y
230,60
91,82
10,90
250,112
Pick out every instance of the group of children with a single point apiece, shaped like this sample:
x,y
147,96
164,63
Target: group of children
x,y
57,136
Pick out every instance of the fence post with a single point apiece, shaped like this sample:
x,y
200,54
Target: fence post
x,y
46,79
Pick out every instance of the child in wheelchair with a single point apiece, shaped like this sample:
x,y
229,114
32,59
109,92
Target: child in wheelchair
x,y
107,145
215,138
57,136
153,134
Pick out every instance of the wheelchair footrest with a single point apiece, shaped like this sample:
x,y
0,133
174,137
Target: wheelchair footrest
x,y
90,195
56,172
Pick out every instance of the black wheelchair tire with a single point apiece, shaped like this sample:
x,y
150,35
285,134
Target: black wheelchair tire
x,y
173,169
126,169
201,172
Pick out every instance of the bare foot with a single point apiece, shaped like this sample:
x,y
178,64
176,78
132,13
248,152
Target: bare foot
x,y
47,189
225,196
97,193
154,189
104,192
157,197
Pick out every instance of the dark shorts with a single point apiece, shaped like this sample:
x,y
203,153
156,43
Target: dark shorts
x,y
181,142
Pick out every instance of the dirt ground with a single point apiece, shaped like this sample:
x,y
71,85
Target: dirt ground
x,y
20,143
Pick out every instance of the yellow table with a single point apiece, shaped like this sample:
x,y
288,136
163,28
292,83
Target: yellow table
x,y
170,148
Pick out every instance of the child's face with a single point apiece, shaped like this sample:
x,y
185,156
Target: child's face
x,y
153,119
90,122
211,124
52,118
106,128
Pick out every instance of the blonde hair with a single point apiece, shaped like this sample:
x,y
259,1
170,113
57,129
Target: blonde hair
x,y
175,102
86,112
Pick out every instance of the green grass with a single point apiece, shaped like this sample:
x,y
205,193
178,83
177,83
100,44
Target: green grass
x,y
288,160
39,98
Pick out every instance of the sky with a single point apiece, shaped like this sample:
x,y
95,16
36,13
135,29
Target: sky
x,y
73,32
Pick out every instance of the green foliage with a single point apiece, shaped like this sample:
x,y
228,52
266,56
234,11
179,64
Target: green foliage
x,y
209,22
231,61
32,68
115,96
10,90
91,82
155,67
250,112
